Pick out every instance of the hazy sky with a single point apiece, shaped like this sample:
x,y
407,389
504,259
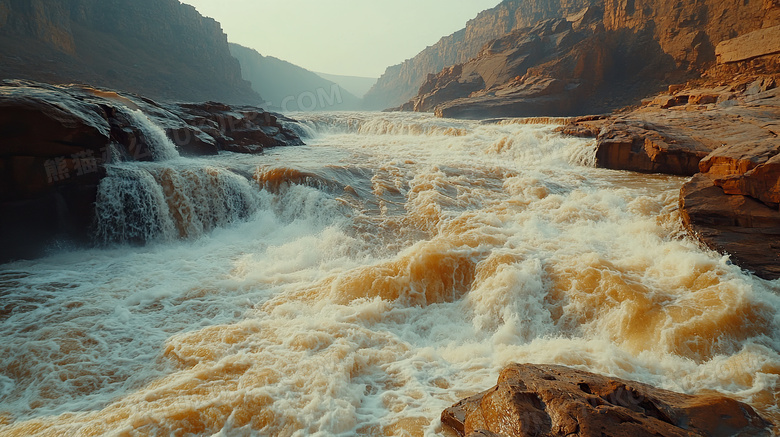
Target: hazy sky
x,y
347,37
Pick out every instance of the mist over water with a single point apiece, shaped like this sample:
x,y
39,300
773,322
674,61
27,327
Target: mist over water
x,y
365,282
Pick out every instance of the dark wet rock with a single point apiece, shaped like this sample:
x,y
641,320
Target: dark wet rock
x,y
547,400
238,129
56,140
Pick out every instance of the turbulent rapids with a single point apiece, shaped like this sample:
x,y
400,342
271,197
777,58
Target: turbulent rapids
x,y
363,283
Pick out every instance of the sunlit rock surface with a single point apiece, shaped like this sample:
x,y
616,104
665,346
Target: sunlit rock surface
x,y
546,400
598,58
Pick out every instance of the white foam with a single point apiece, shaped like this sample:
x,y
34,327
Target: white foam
x,y
161,147
144,202
332,312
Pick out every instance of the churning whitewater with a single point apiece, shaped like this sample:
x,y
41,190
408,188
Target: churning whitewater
x,y
363,283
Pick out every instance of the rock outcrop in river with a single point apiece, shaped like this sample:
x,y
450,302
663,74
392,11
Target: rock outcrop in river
x,y
56,140
162,49
539,400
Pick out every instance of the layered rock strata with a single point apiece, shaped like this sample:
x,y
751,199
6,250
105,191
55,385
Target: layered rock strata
x,y
608,55
724,129
401,82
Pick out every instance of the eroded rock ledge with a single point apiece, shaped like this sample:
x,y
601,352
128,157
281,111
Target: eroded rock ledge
x,y
742,226
724,130
727,126
548,400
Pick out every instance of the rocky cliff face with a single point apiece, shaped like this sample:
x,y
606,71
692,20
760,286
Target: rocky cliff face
x,y
607,56
724,129
688,31
401,82
159,48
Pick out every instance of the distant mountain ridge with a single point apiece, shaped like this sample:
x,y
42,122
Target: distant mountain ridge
x,y
162,49
288,87
356,85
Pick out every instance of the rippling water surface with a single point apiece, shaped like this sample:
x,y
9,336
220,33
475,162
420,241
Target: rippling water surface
x,y
365,282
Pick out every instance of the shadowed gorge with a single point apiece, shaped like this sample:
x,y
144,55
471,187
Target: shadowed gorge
x,y
289,87
161,49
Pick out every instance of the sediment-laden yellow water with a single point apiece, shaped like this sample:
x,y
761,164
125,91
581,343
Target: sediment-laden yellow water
x,y
363,283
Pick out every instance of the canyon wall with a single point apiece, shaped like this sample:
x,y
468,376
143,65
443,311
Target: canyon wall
x,y
158,48
607,56
689,30
401,82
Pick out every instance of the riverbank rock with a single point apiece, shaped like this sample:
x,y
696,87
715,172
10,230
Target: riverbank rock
x,y
733,129
761,42
56,140
732,206
725,127
548,400
739,225
643,146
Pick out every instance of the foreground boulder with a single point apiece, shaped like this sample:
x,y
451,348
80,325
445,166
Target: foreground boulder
x,y
747,169
547,400
56,140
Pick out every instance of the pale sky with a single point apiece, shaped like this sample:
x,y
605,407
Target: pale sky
x,y
345,37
